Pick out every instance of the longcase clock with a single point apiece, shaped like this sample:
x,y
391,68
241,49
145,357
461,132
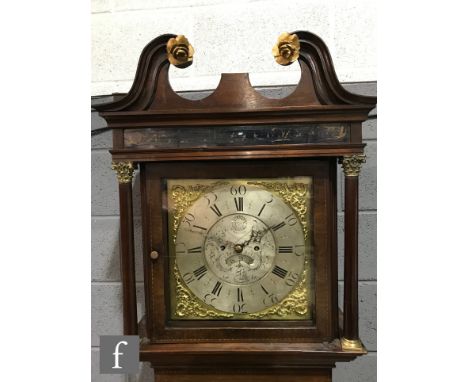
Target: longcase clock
x,y
238,202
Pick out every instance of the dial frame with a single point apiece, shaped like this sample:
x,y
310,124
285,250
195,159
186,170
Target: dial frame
x,y
289,296
160,326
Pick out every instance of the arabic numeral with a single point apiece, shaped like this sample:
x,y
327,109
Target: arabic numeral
x,y
291,219
292,278
211,198
239,308
274,298
270,299
188,219
239,190
188,277
299,250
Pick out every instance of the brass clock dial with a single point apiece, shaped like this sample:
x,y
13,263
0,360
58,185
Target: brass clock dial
x,y
240,248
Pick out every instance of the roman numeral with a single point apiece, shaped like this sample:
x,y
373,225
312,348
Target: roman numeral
x,y
216,210
217,288
278,226
286,249
197,226
200,272
261,210
239,203
240,295
280,272
266,292
194,250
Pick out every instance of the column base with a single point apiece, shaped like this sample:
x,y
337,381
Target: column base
x,y
351,345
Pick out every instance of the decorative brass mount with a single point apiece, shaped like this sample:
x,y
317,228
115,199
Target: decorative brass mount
x,y
124,171
351,345
286,50
352,164
179,51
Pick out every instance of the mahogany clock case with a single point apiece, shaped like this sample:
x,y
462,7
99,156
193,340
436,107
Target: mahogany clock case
x,y
160,326
331,117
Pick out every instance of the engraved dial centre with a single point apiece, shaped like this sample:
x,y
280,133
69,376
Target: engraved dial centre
x,y
240,249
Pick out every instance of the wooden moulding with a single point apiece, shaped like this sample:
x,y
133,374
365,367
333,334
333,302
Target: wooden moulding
x,y
127,259
261,355
324,326
318,97
243,374
230,153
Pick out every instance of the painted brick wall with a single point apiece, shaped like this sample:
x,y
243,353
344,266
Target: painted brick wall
x,y
106,293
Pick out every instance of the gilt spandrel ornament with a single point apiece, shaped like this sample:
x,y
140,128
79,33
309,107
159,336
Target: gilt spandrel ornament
x,y
184,196
294,194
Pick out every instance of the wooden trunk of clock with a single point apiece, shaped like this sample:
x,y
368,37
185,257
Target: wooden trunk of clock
x,y
239,215
311,375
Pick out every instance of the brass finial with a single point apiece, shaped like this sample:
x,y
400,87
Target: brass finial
x,y
179,51
286,50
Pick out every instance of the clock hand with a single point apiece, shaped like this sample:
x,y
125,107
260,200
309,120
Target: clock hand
x,y
245,243
221,241
257,235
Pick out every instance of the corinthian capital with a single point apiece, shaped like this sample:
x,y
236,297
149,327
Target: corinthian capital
x,y
351,164
124,171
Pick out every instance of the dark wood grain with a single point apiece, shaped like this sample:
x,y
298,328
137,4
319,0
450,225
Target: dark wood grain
x,y
243,375
351,299
333,244
146,248
318,90
127,259
233,153
198,356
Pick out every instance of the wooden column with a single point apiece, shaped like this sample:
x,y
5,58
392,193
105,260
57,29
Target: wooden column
x,y
351,168
124,172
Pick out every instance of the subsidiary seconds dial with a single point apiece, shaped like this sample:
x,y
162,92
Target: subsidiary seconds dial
x,y
240,248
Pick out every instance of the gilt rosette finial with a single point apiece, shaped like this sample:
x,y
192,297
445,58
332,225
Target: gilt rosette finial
x,y
286,50
179,51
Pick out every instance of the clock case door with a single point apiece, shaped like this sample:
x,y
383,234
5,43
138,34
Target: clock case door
x,y
161,328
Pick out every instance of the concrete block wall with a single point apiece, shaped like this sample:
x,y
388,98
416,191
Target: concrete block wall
x,y
106,291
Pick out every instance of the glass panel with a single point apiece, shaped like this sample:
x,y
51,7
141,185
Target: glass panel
x,y
177,137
